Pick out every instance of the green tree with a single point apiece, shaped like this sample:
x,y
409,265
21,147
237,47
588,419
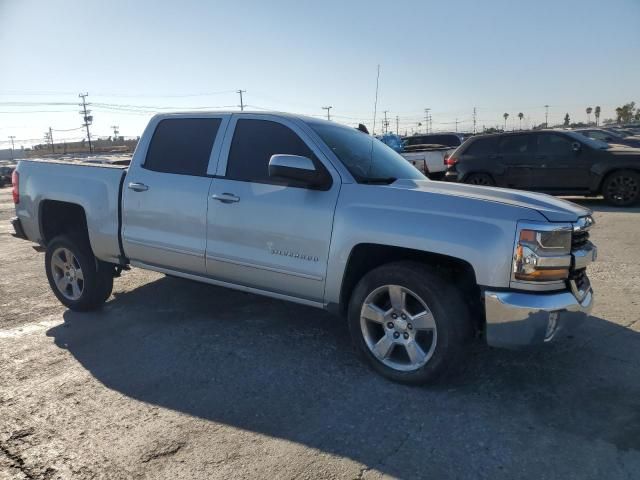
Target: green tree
x,y
597,115
521,116
589,110
505,115
625,113
567,120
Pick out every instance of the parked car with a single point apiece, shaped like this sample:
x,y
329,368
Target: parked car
x,y
321,214
429,152
609,137
558,162
5,175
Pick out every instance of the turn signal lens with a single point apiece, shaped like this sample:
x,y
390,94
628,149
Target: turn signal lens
x,y
544,275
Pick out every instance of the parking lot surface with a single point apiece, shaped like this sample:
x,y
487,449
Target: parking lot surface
x,y
175,379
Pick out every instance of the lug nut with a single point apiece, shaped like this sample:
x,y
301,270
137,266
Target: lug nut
x,y
394,316
409,326
405,335
390,324
404,317
396,334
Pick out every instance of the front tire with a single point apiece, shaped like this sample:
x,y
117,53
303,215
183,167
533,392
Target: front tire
x,y
78,279
622,188
480,179
409,324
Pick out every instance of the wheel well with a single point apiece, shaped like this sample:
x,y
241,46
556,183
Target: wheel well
x,y
57,218
366,256
471,174
611,172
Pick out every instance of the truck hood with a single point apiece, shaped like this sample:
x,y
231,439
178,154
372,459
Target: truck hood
x,y
552,208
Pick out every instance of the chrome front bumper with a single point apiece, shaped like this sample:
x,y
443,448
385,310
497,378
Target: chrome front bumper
x,y
518,319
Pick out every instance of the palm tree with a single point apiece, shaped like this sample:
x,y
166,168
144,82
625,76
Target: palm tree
x,y
597,114
521,116
589,110
505,115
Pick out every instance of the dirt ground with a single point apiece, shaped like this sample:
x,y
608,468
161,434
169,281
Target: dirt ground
x,y
175,379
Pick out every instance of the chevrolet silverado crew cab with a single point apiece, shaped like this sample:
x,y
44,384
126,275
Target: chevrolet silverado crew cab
x,y
321,214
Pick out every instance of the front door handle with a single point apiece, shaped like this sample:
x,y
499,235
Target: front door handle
x,y
226,197
138,187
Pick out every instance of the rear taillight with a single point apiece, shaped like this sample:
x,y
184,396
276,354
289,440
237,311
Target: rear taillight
x,y
15,176
450,160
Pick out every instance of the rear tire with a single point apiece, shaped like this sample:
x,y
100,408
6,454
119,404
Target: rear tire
x,y
622,188
414,340
78,279
480,179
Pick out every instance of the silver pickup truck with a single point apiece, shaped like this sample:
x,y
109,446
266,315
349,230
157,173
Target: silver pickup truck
x,y
320,214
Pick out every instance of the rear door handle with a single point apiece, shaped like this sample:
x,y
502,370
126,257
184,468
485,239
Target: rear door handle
x,y
138,187
226,197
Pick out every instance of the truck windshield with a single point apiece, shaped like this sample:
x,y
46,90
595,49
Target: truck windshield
x,y
367,159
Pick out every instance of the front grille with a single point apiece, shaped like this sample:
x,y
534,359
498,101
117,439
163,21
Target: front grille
x,y
579,239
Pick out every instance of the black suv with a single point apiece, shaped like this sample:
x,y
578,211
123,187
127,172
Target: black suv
x,y
559,162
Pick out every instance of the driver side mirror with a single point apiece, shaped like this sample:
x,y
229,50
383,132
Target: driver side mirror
x,y
576,147
299,170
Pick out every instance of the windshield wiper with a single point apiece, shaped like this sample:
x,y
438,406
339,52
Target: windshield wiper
x,y
378,181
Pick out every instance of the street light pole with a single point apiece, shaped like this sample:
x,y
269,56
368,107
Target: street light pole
x,y
11,137
546,116
328,111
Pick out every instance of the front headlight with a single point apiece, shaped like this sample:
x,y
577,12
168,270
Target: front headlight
x,y
542,253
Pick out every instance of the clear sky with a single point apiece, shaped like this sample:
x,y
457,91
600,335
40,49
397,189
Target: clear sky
x,y
296,55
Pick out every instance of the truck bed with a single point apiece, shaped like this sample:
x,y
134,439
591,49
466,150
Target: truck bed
x,y
95,187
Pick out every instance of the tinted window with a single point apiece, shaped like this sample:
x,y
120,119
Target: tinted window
x,y
598,135
549,144
182,146
415,140
483,146
514,144
447,140
253,144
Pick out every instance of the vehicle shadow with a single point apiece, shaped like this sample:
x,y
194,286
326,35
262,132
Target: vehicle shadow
x,y
288,371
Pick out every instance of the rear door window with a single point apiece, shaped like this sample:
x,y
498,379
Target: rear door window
x,y
182,146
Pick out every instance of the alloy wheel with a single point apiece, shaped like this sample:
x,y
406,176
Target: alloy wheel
x,y
398,328
623,189
67,273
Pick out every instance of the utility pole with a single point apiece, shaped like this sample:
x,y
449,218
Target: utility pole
x,y
51,138
546,116
426,119
474,120
328,109
115,132
11,137
375,104
241,102
385,124
88,119
397,125
456,125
